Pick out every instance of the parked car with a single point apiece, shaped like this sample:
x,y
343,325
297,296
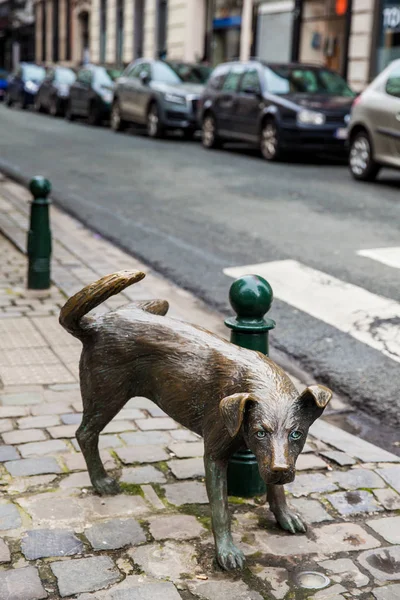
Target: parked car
x,y
375,126
53,92
91,94
3,83
23,84
278,107
160,95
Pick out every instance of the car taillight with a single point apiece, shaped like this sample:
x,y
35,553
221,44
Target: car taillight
x,y
357,100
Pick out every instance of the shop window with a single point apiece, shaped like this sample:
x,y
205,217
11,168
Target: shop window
x,y
120,31
138,27
103,30
162,18
44,31
68,17
389,39
393,83
55,30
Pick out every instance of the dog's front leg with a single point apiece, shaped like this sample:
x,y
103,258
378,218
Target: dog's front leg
x,y
286,518
228,555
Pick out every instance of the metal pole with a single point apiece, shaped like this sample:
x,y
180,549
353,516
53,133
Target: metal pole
x,y
39,236
246,30
251,298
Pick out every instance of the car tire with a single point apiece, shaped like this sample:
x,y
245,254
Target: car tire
x,y
153,124
54,109
69,115
361,159
8,100
117,123
270,144
38,106
94,116
23,102
209,133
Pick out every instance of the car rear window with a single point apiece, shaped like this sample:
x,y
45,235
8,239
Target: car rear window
x,y
65,76
33,72
288,80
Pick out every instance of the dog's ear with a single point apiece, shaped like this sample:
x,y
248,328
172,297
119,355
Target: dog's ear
x,y
314,399
232,409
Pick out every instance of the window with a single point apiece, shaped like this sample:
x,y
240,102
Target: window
x,y
232,79
138,27
393,83
217,78
55,30
103,30
250,81
163,72
133,71
162,17
285,80
68,17
120,31
32,73
44,30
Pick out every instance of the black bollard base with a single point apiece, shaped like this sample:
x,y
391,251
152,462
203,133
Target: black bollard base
x,y
244,478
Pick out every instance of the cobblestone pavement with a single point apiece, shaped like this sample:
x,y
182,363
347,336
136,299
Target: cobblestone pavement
x,y
153,541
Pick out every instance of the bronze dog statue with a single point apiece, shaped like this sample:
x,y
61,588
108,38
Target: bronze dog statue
x,y
231,396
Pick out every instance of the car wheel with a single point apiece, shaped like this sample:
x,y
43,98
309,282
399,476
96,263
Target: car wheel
x,y
209,133
23,102
154,126
116,121
94,115
37,104
54,109
69,115
269,141
361,161
8,100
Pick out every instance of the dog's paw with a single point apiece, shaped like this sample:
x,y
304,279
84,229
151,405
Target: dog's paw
x,y
289,521
229,557
106,487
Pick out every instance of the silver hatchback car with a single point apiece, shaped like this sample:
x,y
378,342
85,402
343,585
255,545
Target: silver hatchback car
x,y
374,129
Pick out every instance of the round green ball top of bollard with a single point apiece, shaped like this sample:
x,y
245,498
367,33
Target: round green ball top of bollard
x,y
251,297
40,187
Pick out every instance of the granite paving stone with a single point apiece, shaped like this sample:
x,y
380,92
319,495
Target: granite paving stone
x,y
343,537
140,402
119,426
223,590
187,468
169,560
145,474
52,508
331,593
21,398
150,591
388,528
9,517
347,570
305,484
184,435
71,418
6,425
275,577
76,462
5,555
53,408
188,492
382,563
388,498
39,422
42,448
311,510
392,476
24,436
76,480
357,478
32,466
354,502
142,454
13,411
176,527
8,453
21,584
341,458
43,543
113,506
306,462
156,411
84,574
159,423
387,592
144,438
187,449
23,484
62,431
127,414
152,497
117,533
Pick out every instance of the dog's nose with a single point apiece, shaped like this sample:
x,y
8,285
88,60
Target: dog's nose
x,y
279,467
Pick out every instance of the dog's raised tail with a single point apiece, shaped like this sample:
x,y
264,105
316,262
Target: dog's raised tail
x,y
92,295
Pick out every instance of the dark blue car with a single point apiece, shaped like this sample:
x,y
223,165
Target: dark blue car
x,y
23,84
3,83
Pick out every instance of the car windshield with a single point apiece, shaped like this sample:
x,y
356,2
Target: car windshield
x,y
65,76
190,73
301,80
102,77
164,73
33,73
114,73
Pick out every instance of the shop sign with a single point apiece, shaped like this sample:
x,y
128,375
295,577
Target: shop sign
x,y
391,18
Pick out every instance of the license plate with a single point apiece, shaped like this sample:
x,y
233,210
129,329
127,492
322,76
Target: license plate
x,y
341,133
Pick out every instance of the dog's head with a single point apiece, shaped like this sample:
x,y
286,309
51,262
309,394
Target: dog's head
x,y
274,431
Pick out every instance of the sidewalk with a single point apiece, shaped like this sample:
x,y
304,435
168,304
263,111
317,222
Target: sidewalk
x,y
153,541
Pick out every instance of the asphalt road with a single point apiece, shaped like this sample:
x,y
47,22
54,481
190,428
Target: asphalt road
x,y
190,213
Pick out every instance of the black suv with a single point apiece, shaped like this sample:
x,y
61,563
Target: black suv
x,y
279,107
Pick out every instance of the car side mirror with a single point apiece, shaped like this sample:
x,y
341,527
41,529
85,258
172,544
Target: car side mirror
x,y
144,78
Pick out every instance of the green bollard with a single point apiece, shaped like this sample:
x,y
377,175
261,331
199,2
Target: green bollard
x,y
251,298
39,235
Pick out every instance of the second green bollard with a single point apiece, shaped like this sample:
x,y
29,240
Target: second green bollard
x,y
39,235
251,298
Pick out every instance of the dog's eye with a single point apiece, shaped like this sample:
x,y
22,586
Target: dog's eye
x,y
261,434
295,435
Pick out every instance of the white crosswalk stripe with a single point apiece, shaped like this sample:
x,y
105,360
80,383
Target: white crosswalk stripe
x,y
367,317
387,256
